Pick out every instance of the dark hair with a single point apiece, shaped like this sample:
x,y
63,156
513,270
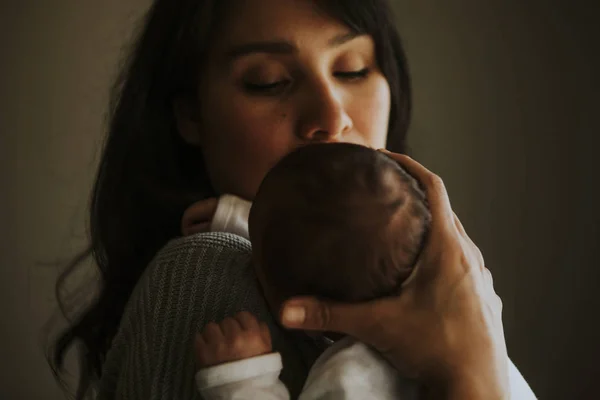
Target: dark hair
x,y
148,176
339,221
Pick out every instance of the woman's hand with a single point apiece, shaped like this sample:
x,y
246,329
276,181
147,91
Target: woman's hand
x,y
198,216
232,339
445,328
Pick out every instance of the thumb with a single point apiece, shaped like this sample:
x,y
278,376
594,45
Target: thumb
x,y
310,313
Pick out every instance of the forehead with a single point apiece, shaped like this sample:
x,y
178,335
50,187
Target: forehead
x,y
300,21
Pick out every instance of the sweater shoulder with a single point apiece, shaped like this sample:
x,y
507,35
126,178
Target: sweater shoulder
x,y
226,243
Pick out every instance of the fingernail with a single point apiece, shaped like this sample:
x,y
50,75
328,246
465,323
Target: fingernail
x,y
293,315
383,150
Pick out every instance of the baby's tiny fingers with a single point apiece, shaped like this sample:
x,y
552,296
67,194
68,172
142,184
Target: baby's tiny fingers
x,y
247,321
199,212
230,327
199,342
212,334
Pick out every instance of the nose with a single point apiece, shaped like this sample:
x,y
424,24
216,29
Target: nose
x,y
324,117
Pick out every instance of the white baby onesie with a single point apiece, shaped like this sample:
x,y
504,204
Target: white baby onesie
x,y
231,216
347,370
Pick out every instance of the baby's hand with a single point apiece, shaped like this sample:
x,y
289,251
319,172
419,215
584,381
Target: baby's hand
x,y
198,216
233,339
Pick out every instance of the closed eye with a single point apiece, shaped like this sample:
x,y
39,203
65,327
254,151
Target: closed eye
x,y
267,88
272,88
352,75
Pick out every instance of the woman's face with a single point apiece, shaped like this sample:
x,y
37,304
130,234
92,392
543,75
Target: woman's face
x,y
282,74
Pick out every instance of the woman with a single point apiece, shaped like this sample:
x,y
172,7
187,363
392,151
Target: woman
x,y
214,94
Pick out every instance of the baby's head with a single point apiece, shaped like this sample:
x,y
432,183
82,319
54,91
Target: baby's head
x,y
339,221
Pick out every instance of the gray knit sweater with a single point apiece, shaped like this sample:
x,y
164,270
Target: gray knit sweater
x,y
191,281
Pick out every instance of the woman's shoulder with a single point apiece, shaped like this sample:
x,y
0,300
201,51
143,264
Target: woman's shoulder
x,y
204,251
209,273
212,259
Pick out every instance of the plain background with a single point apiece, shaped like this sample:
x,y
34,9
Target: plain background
x,y
506,104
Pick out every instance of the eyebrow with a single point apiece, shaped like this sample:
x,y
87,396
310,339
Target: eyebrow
x,y
283,47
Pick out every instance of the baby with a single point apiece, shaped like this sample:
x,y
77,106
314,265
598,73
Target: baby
x,y
338,221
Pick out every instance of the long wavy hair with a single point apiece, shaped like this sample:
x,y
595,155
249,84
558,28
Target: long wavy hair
x,y
148,176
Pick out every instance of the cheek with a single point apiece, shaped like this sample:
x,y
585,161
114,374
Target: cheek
x,y
241,150
371,113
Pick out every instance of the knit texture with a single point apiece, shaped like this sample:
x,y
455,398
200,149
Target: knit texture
x,y
192,281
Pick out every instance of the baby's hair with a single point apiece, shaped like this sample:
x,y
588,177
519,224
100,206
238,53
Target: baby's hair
x,y
340,221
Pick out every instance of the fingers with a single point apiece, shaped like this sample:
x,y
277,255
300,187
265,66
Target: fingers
x,y
199,212
228,341
488,277
247,321
446,229
471,245
212,334
489,283
309,313
437,196
459,225
230,327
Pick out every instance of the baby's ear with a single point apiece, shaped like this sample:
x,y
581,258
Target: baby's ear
x,y
185,112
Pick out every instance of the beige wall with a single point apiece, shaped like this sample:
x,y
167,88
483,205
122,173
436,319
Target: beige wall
x,y
504,91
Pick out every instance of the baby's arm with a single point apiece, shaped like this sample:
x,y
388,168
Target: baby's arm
x,y
228,213
236,361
